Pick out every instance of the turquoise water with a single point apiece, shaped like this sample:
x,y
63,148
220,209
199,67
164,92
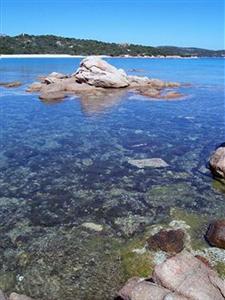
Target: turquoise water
x,y
66,163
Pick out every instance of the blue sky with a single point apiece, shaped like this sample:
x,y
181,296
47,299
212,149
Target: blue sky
x,y
195,23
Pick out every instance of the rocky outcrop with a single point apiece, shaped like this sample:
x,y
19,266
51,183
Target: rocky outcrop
x,y
216,234
97,72
180,277
217,163
97,76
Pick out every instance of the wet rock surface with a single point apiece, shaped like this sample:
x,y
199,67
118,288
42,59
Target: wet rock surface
x,y
216,234
171,241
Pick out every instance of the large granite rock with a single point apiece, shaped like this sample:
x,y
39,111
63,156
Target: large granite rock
x,y
188,276
97,72
217,162
180,277
140,289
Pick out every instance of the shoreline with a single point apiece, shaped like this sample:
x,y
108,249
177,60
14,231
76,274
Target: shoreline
x,y
82,56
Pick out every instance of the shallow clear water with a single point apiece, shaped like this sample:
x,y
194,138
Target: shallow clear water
x,y
66,163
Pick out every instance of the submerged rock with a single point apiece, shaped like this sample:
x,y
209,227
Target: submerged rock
x,y
97,72
35,87
11,84
148,162
52,96
149,92
216,234
15,296
171,241
217,163
172,95
2,296
93,226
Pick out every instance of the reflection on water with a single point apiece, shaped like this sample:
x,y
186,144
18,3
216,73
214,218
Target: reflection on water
x,y
65,164
97,102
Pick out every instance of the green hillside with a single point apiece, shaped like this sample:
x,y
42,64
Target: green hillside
x,y
50,44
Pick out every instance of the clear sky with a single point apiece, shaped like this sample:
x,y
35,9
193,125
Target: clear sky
x,y
195,23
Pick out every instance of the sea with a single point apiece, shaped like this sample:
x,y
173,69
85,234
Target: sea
x,y
72,207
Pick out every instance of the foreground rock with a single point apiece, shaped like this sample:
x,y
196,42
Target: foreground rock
x,y
95,74
140,289
189,277
217,163
216,234
148,162
11,84
171,241
180,277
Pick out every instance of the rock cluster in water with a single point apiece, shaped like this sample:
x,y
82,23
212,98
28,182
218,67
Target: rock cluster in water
x,y
180,277
97,76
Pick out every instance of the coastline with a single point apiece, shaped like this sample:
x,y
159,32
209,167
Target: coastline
x,y
82,56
